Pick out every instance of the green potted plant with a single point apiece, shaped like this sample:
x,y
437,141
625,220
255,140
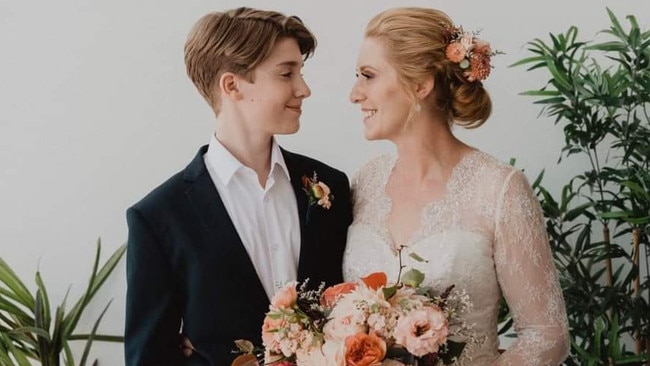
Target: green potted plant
x,y
31,331
599,93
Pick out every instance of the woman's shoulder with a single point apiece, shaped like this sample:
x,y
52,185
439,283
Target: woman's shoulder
x,y
491,175
490,165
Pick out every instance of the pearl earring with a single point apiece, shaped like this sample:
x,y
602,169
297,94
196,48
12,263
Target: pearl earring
x,y
418,108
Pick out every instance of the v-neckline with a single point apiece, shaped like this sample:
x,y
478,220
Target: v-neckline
x,y
415,236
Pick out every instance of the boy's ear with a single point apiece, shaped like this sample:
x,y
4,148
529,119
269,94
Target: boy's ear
x,y
424,88
229,86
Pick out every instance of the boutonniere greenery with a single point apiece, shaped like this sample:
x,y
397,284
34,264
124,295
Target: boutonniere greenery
x,y
318,193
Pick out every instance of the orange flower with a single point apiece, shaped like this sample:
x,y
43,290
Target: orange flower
x,y
375,280
479,67
455,52
332,294
364,349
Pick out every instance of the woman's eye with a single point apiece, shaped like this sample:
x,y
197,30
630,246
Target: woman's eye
x,y
366,75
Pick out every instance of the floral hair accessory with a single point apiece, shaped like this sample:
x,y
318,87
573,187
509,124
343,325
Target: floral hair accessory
x,y
470,53
317,192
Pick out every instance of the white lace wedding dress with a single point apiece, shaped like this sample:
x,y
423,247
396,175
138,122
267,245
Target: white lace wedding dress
x,y
486,235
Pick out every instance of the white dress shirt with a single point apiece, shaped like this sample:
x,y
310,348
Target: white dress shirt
x,y
266,218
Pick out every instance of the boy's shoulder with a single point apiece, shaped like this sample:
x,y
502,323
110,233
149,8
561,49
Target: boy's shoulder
x,y
309,165
174,187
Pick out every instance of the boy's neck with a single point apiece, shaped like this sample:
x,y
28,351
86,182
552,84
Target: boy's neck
x,y
252,150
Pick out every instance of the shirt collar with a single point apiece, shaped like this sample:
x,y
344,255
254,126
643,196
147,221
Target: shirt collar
x,y
226,165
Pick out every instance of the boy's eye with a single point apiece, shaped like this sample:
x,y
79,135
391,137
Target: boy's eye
x,y
286,74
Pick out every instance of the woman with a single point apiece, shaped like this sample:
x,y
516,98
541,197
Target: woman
x,y
474,219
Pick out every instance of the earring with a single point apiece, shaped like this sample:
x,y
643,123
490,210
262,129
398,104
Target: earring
x,y
418,108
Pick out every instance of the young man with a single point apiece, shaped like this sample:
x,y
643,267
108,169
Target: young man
x,y
208,248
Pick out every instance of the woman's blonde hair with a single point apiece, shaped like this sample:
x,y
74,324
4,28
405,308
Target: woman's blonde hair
x,y
237,41
416,40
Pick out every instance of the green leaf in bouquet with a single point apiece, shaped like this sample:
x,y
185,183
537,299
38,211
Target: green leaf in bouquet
x,y
389,291
413,278
418,258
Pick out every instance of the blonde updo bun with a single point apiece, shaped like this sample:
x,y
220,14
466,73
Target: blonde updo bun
x,y
416,40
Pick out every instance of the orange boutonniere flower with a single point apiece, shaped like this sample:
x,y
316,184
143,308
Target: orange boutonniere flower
x,y
317,192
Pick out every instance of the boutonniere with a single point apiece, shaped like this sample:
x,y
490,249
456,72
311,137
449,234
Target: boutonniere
x,y
318,193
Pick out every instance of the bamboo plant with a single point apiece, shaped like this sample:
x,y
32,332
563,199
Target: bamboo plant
x,y
29,329
599,93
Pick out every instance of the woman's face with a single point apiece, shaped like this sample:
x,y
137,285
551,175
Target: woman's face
x,y
384,103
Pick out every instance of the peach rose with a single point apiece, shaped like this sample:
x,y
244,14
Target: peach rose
x,y
322,193
285,297
332,294
364,349
422,331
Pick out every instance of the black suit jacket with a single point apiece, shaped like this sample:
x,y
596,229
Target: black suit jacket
x,y
187,267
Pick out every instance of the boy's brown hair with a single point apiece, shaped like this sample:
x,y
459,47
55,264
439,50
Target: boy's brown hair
x,y
236,41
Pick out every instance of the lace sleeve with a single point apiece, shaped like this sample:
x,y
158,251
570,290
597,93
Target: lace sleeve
x,y
528,278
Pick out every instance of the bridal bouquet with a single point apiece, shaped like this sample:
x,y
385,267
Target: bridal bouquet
x,y
364,323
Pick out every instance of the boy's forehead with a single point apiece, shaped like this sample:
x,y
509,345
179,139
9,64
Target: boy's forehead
x,y
285,52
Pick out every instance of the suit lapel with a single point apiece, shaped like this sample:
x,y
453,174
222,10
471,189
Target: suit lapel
x,y
211,212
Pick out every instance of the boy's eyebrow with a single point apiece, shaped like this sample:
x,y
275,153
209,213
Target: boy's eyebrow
x,y
290,64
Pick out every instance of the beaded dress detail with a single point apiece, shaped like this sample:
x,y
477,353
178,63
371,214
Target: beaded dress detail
x,y
485,235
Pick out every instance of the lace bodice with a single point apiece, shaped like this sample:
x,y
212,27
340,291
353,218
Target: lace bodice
x,y
485,235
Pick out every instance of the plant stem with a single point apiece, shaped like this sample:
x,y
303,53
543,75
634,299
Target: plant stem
x,y
636,237
608,261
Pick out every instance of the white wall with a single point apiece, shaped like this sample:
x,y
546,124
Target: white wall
x,y
96,110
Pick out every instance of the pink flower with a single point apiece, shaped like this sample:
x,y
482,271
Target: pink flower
x,y
340,327
286,297
467,41
270,330
422,331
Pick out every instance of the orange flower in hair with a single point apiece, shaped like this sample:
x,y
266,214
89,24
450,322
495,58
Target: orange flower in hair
x,y
472,54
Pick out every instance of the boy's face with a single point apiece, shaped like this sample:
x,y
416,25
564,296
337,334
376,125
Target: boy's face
x,y
272,102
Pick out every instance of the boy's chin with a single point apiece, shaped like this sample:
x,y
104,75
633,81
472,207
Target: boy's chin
x,y
289,129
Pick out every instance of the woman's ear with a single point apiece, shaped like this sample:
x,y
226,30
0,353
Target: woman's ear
x,y
229,86
424,88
